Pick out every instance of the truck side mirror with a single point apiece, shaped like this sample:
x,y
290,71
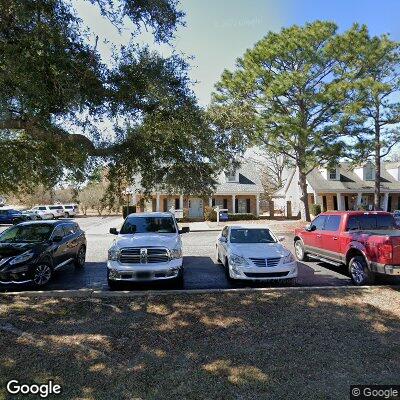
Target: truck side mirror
x,y
185,229
113,231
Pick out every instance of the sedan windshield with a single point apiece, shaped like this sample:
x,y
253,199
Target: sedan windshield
x,y
27,234
148,225
252,236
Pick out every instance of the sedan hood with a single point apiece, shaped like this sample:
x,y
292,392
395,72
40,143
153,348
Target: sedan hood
x,y
168,240
258,250
14,249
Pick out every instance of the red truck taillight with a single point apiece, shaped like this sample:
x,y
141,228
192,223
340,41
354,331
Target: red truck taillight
x,y
385,253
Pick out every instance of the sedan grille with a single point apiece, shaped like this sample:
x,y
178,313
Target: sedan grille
x,y
266,262
142,255
266,275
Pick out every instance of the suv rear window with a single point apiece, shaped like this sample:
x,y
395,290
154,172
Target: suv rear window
x,y
370,222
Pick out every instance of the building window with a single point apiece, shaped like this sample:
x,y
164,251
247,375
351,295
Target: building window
x,y
332,174
369,173
230,176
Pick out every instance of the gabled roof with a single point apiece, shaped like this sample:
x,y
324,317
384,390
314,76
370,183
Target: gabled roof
x,y
350,181
249,180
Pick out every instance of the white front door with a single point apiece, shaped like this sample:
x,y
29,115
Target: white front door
x,y
195,208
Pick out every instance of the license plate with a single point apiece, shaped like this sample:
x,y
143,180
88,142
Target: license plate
x,y
143,275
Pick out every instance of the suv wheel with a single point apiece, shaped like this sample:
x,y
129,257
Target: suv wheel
x,y
42,275
80,257
301,255
359,271
66,215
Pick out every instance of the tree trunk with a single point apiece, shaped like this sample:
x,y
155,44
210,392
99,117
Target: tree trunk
x,y
377,156
305,212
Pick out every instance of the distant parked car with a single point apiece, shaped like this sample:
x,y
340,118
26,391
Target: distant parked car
x,y
30,252
42,212
251,252
11,216
50,212
31,215
70,210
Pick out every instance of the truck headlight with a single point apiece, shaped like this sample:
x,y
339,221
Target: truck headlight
x,y
113,254
176,253
237,261
24,257
289,258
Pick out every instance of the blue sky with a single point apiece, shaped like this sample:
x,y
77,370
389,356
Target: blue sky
x,y
219,31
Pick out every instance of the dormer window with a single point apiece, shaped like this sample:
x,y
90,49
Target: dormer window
x,y
369,172
231,176
332,174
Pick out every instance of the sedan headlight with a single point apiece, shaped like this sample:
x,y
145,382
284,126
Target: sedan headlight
x,y
24,257
289,258
176,253
237,261
113,254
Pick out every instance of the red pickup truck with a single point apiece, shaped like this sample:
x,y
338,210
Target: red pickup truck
x,y
368,243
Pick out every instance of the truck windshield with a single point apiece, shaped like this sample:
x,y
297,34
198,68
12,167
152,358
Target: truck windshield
x,y
371,222
251,236
148,225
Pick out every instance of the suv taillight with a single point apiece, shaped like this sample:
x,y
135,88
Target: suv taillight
x,y
385,253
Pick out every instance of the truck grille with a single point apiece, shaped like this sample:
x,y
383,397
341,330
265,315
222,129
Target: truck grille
x,y
266,262
142,255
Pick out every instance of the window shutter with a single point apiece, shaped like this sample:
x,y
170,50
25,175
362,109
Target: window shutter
x,y
248,206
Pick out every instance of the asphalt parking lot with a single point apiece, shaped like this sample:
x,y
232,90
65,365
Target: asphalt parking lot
x,y
201,270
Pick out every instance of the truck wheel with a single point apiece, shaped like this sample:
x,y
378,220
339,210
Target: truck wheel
x,y
301,255
359,271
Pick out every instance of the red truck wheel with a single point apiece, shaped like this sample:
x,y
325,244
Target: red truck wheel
x,y
301,255
359,271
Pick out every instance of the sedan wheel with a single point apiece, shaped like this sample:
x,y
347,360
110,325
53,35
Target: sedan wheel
x,y
217,255
42,275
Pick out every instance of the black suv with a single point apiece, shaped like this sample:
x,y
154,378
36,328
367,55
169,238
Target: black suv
x,y
30,252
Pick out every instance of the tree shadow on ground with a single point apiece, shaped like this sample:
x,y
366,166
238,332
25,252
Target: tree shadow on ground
x,y
242,345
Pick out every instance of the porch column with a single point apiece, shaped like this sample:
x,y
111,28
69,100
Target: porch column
x,y
181,202
157,202
233,204
257,205
317,199
210,201
339,201
385,202
359,199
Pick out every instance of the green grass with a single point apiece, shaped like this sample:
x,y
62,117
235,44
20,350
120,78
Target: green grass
x,y
243,345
